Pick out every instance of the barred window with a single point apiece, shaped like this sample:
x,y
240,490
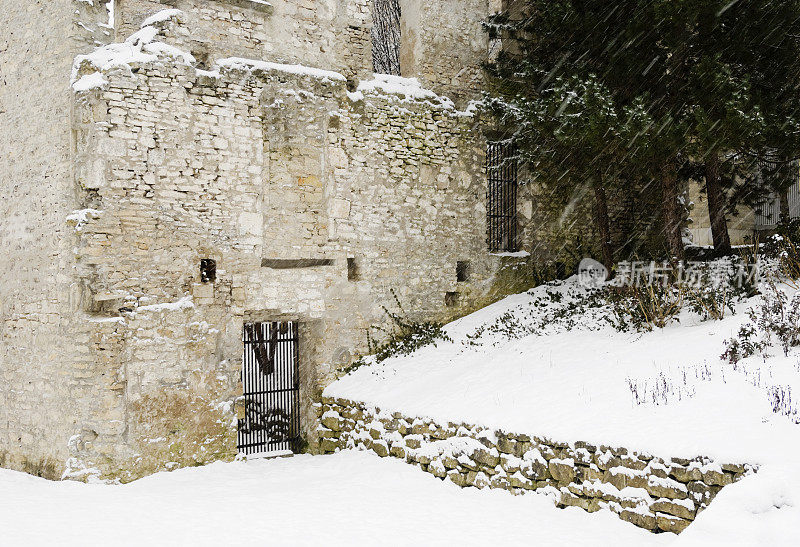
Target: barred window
x,y
501,197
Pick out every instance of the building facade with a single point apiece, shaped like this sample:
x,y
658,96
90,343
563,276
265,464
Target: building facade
x,y
210,203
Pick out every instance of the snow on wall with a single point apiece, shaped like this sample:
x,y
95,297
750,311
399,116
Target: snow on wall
x,y
333,34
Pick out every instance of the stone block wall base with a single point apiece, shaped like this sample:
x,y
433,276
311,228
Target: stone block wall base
x,y
658,494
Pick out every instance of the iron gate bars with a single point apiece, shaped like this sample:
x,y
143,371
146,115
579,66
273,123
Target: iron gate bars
x,y
270,378
501,197
768,211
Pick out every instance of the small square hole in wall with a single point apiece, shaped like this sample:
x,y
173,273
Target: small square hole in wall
x,y
208,270
463,271
451,299
352,270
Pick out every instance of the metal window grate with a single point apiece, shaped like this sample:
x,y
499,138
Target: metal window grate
x,y
501,197
768,212
270,378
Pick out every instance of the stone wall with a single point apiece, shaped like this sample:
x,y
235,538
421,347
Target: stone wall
x,y
254,164
332,34
443,43
658,494
48,387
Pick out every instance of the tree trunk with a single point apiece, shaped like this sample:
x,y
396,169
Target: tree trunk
x,y
784,204
785,182
603,225
386,37
671,210
716,206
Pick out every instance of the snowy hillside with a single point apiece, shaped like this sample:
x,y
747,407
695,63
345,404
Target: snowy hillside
x,y
666,392
347,499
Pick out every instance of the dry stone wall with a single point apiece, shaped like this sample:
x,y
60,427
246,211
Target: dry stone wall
x,y
658,494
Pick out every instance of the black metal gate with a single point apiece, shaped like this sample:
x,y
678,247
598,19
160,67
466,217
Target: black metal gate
x,y
501,197
270,375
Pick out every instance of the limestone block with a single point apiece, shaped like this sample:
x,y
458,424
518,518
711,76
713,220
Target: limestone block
x,y
251,224
337,158
457,478
715,477
683,508
685,474
380,448
203,290
645,520
487,457
510,463
668,523
332,420
562,470
437,469
478,480
568,499
666,488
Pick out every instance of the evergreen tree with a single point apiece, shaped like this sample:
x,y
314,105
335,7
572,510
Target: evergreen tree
x,y
696,87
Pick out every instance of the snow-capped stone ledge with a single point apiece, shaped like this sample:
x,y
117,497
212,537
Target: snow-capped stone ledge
x,y
160,44
652,493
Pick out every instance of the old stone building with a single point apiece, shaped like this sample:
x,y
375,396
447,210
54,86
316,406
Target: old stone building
x,y
205,198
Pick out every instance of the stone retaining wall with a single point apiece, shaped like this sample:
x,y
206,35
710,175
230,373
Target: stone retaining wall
x,y
659,494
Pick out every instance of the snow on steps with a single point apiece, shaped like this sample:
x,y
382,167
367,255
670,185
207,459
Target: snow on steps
x,y
654,493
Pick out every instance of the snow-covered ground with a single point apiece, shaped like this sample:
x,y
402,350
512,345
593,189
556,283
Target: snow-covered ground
x,y
578,382
350,498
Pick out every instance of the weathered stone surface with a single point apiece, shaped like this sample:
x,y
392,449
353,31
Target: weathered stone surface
x,y
328,445
457,478
536,470
643,493
450,462
642,520
666,488
561,470
488,457
478,480
683,509
702,493
509,462
380,448
517,480
413,441
505,444
569,499
593,473
717,478
437,469
622,477
668,523
734,468
328,434
332,421
686,474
